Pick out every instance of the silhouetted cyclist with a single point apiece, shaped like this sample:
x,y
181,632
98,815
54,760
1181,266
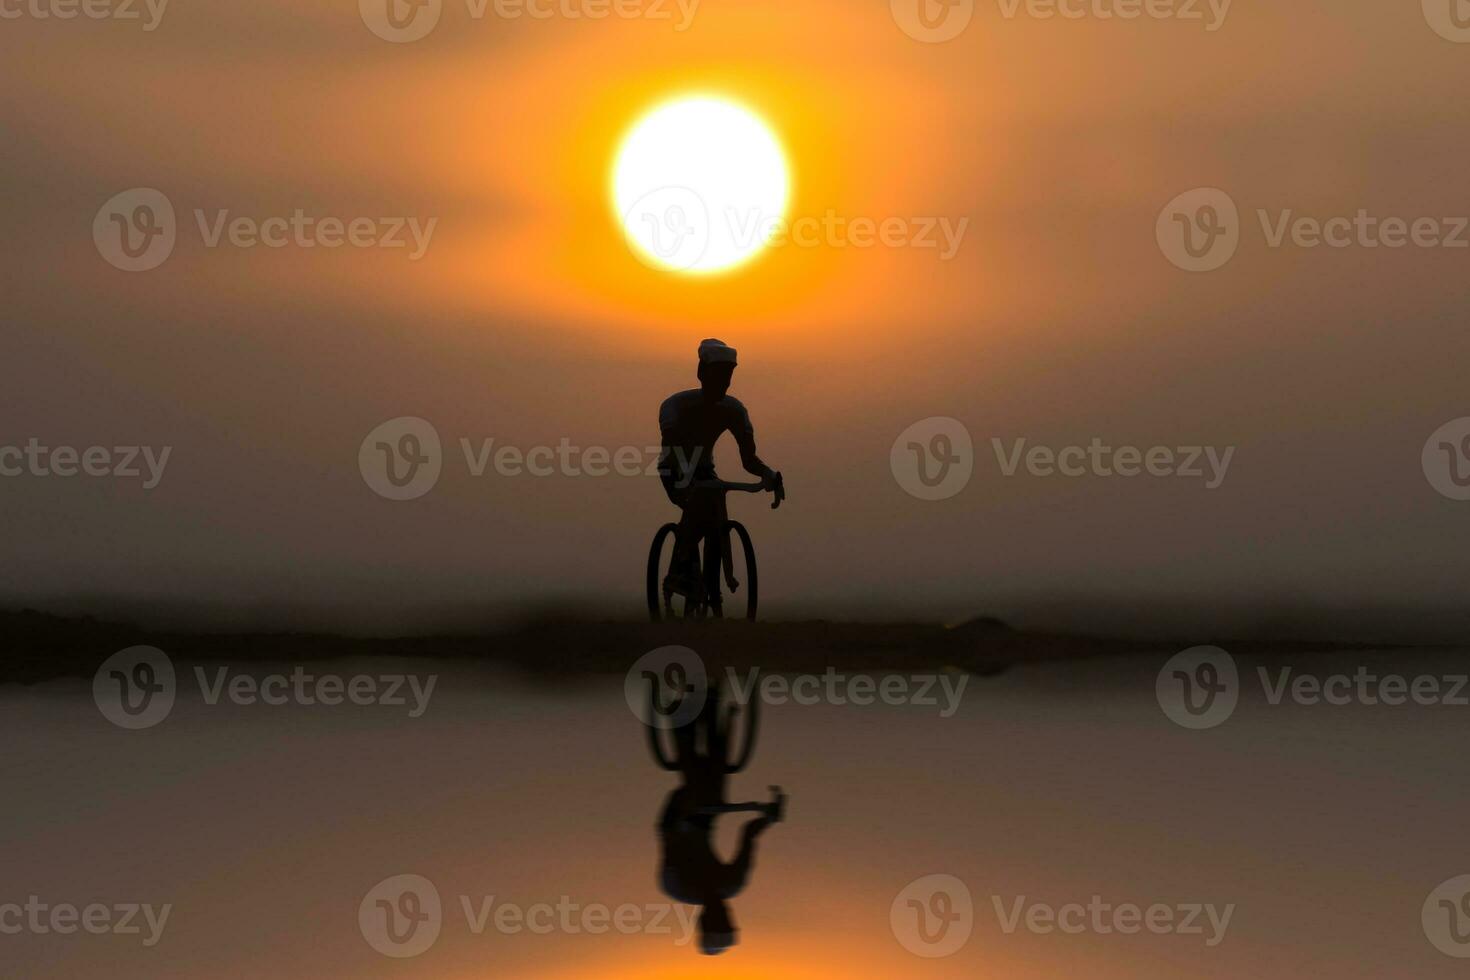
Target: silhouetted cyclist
x,y
690,424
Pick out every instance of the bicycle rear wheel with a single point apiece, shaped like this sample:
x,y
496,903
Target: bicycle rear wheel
x,y
667,605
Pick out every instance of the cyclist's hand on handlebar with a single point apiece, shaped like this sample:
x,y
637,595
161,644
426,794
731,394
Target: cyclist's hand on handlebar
x,y
777,486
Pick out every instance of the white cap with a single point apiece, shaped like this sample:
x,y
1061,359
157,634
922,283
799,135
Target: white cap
x,y
715,352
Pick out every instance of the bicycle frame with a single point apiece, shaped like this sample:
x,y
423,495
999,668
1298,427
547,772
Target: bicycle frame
x,y
658,610
755,487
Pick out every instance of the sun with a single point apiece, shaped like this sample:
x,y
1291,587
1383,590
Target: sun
x,y
700,184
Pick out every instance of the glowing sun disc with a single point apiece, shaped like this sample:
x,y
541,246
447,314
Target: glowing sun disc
x,y
698,184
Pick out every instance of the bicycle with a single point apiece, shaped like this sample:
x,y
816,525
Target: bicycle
x,y
718,556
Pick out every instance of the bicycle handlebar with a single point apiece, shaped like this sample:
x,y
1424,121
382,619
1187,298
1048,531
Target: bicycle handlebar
x,y
755,487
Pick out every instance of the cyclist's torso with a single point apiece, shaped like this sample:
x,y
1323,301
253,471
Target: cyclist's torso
x,y
693,424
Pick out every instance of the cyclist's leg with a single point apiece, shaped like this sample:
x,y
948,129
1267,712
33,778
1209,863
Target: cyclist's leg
x,y
712,561
678,496
680,571
702,510
716,547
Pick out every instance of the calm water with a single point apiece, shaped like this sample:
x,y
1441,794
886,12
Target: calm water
x,y
264,828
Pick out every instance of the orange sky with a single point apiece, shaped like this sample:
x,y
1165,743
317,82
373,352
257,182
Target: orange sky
x,y
529,320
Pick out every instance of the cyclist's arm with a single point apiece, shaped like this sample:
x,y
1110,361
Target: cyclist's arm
x,y
744,433
754,465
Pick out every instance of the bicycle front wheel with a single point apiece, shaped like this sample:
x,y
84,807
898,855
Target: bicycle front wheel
x,y
743,559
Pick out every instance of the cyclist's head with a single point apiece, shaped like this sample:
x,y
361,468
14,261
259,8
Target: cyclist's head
x,y
716,365
717,932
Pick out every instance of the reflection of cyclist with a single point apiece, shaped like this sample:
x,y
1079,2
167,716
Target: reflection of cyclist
x,y
690,423
693,873
690,869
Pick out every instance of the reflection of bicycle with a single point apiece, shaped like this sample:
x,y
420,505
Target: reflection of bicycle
x,y
706,600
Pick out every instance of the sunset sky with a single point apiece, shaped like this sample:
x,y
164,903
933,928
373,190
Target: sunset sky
x,y
529,320
1144,320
